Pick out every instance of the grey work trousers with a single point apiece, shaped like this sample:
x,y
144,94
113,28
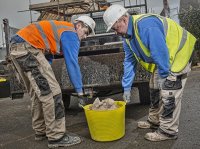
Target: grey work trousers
x,y
47,108
165,97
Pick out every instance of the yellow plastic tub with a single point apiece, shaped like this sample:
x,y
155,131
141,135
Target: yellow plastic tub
x,y
108,125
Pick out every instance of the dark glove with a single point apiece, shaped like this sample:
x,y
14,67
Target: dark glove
x,y
85,97
82,100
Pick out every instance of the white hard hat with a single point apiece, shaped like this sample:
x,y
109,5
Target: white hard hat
x,y
88,21
112,14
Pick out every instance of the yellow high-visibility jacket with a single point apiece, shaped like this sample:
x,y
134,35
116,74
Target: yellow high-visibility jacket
x,y
180,43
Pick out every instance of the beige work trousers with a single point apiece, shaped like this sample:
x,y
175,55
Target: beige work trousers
x,y
165,105
47,108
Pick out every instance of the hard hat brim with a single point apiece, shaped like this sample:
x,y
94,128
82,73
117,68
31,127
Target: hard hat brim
x,y
109,28
93,33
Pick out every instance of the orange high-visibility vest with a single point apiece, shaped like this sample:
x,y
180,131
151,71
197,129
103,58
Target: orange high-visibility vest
x,y
46,35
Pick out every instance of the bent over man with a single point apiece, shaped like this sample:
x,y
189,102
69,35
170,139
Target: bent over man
x,y
27,54
163,48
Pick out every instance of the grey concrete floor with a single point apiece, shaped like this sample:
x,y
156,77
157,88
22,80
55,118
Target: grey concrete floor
x,y
16,131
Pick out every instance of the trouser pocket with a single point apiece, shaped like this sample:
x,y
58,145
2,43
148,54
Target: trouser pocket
x,y
154,98
29,63
172,85
59,107
168,107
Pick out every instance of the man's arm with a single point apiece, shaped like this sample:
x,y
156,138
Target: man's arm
x,y
153,38
70,46
130,64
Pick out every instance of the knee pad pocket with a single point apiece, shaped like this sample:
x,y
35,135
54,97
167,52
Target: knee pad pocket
x,y
59,107
41,81
154,98
169,106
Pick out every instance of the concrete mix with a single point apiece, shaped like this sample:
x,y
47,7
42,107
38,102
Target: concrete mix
x,y
106,104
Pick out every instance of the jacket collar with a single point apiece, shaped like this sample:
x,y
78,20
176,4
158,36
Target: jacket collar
x,y
130,27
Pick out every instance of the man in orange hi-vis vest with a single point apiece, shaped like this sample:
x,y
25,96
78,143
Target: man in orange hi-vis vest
x,y
27,54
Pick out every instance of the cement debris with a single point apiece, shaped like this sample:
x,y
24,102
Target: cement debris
x,y
106,104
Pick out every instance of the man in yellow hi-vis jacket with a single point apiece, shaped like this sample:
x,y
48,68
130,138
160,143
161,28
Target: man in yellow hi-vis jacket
x,y
163,48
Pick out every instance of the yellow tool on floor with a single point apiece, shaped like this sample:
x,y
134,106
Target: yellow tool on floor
x,y
2,79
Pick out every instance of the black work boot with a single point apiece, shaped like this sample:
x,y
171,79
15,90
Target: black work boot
x,y
66,140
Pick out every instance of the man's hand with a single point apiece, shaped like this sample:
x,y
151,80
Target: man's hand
x,y
127,96
82,100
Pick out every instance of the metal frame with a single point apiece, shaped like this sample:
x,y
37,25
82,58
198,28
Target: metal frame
x,y
60,8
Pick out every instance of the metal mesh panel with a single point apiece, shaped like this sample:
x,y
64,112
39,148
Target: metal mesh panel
x,y
100,26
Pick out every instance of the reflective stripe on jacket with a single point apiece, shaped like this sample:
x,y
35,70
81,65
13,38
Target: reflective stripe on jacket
x,y
180,43
45,35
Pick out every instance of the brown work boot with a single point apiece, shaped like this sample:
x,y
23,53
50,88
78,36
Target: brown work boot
x,y
66,140
157,136
147,125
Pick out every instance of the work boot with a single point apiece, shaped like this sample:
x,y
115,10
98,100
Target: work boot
x,y
147,125
66,140
158,136
40,137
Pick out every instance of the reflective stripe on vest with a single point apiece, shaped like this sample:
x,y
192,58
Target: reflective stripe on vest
x,y
44,37
55,29
179,47
55,33
148,66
